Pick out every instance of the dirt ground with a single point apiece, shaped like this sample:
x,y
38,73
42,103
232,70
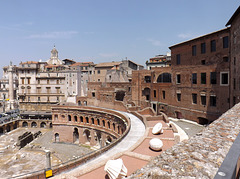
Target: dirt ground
x,y
15,161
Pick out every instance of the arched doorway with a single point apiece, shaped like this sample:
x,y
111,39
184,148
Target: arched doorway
x,y
57,139
43,125
146,92
99,139
75,136
34,124
24,124
87,136
178,115
109,140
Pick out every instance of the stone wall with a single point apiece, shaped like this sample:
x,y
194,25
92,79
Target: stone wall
x,y
200,156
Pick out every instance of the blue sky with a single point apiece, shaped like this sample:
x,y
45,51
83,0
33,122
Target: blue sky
x,y
104,30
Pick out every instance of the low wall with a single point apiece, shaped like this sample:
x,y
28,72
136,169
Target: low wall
x,y
200,156
74,163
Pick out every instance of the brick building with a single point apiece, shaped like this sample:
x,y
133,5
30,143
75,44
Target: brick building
x,y
196,86
234,23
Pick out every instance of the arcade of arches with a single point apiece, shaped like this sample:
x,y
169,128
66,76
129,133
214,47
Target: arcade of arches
x,y
88,125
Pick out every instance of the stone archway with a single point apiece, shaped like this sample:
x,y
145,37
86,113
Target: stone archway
x,y
24,124
87,136
34,124
99,139
108,140
43,125
57,138
75,136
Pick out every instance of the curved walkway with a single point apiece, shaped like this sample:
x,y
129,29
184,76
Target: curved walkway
x,y
136,133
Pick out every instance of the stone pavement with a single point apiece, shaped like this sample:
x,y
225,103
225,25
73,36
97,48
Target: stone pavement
x,y
134,151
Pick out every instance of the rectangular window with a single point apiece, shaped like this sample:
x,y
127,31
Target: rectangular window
x,y
178,96
194,78
163,94
22,80
203,78
93,94
39,99
178,79
213,45
98,71
194,50
213,101
38,81
203,99
155,93
234,100
234,83
178,59
194,98
29,80
224,78
225,42
203,48
213,78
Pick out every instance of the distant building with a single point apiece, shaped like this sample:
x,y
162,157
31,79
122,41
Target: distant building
x,y
9,88
159,61
43,84
113,71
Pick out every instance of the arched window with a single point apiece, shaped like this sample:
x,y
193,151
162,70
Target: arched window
x,y
69,117
87,120
103,123
81,118
75,118
98,122
164,78
108,124
92,119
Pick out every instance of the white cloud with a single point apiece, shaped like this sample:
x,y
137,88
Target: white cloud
x,y
154,42
53,35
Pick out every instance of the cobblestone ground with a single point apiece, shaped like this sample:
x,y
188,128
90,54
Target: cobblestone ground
x,y
32,158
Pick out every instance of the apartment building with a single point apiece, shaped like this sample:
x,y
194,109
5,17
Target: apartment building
x,y
159,61
44,84
197,84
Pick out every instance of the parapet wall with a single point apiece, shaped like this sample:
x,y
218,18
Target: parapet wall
x,y
200,156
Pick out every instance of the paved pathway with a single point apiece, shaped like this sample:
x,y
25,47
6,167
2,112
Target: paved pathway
x,y
136,133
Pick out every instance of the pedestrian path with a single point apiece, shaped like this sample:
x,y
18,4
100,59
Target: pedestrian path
x,y
133,150
135,134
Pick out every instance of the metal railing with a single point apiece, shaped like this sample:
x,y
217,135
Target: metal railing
x,y
230,166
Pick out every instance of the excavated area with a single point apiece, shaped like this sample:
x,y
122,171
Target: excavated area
x,y
15,161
